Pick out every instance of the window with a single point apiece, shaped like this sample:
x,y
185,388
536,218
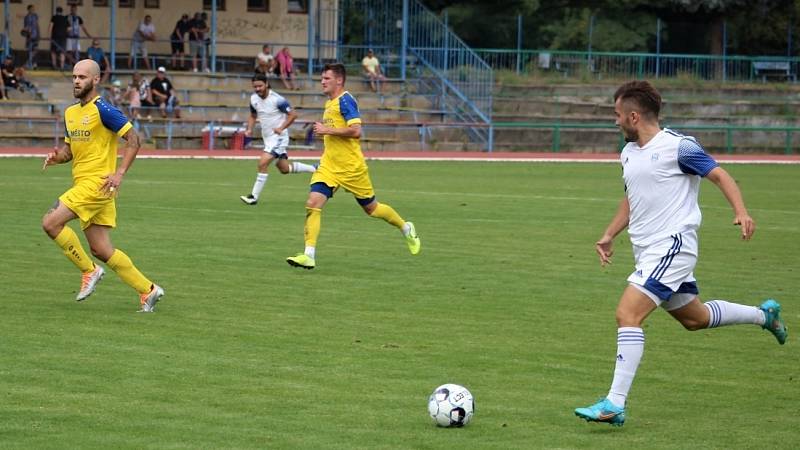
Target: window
x,y
69,2
220,5
298,6
15,1
257,5
100,3
127,3
151,4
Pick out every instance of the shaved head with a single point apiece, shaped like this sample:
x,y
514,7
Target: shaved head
x,y
85,76
88,66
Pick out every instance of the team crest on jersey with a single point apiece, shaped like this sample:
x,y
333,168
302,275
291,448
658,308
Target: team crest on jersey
x,y
654,157
85,120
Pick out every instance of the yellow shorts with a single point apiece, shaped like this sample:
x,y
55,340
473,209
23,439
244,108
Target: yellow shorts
x,y
357,183
90,205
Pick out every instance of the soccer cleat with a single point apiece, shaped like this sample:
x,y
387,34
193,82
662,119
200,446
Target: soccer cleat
x,y
249,199
602,411
147,302
89,282
773,321
412,239
301,260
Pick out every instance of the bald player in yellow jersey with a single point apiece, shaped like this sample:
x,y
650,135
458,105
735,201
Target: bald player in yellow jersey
x,y
343,166
92,128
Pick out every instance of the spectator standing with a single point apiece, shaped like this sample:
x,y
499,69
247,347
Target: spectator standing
x,y
182,28
58,37
145,31
197,42
265,62
137,91
97,54
286,64
32,35
372,70
164,94
74,27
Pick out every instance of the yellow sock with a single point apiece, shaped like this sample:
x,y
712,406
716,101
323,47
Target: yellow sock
x,y
313,224
123,266
387,213
69,242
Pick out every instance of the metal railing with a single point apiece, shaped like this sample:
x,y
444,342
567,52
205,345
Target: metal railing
x,y
729,144
447,66
581,64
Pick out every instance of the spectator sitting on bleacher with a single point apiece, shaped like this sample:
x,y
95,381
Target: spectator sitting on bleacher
x,y
132,96
97,54
372,70
114,94
286,66
2,90
265,62
164,94
14,77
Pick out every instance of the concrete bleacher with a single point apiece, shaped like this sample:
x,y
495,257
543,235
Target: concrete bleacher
x,y
580,117
395,119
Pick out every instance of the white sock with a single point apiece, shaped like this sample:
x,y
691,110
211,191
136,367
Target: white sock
x,y
406,229
723,313
630,347
297,167
310,252
258,186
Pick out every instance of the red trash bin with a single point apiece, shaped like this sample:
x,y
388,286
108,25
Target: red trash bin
x,y
237,141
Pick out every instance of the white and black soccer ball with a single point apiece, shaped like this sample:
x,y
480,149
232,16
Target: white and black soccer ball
x,y
451,405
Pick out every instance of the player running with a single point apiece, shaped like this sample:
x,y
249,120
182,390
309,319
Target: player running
x,y
343,165
92,129
275,116
662,170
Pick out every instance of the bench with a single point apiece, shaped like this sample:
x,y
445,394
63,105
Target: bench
x,y
773,69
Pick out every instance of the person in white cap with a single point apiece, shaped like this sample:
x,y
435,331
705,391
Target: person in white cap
x,y
164,94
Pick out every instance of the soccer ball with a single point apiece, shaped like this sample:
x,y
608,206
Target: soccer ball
x,y
451,405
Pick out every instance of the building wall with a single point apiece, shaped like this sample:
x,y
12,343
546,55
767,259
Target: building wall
x,y
250,30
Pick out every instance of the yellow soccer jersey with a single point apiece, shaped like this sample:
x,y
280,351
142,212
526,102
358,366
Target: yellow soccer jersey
x,y
92,131
342,154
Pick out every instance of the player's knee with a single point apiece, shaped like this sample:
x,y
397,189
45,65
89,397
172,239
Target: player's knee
x,y
627,318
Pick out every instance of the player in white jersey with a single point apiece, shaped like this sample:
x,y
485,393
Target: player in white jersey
x,y
275,115
662,171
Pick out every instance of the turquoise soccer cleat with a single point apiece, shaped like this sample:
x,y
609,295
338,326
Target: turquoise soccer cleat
x,y
602,411
773,321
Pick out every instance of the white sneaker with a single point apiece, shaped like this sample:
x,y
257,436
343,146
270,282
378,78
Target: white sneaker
x,y
89,282
249,199
148,301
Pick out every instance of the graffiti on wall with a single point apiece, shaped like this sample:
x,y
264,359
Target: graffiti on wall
x,y
239,28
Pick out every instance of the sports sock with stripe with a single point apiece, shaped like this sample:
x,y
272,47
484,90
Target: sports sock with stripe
x,y
630,347
721,313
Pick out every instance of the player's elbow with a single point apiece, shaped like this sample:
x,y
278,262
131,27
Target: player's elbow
x,y
355,133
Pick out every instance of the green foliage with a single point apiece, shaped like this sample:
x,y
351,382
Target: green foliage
x,y
506,298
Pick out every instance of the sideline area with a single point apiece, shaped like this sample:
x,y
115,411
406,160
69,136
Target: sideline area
x,y
11,152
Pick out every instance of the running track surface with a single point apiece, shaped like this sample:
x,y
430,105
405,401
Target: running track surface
x,y
8,152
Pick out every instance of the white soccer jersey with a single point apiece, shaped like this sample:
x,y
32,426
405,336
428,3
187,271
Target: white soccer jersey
x,y
662,181
270,111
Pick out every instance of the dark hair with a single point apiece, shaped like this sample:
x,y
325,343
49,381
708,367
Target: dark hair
x,y
643,94
261,77
29,7
59,9
337,69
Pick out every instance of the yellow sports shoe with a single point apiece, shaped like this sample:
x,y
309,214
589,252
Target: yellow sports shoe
x,y
301,260
414,244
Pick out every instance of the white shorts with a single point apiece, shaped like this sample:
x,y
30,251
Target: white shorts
x,y
73,44
665,270
276,145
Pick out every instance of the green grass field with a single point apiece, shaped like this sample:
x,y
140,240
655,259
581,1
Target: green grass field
x,y
506,298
